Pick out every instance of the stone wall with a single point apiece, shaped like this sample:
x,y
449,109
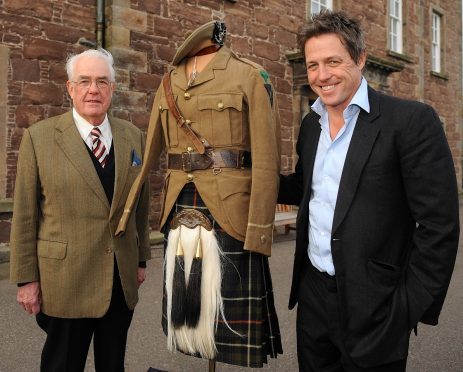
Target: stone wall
x,y
144,35
415,81
36,37
39,36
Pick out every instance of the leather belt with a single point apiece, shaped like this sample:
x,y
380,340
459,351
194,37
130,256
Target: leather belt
x,y
190,161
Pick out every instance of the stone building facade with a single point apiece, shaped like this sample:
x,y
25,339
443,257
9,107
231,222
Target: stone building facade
x,y
37,36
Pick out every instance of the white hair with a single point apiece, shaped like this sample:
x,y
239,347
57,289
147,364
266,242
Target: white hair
x,y
96,53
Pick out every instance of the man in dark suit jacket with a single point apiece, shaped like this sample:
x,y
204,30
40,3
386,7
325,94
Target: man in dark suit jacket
x,y
73,176
377,230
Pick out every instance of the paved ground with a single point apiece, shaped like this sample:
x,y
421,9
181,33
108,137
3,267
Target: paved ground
x,y
436,349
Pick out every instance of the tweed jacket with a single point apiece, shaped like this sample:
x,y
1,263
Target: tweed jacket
x,y
63,225
232,105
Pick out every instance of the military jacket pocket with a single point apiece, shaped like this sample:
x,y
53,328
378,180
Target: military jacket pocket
x,y
169,124
222,118
234,192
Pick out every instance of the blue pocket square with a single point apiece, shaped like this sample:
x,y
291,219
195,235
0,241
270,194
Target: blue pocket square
x,y
135,159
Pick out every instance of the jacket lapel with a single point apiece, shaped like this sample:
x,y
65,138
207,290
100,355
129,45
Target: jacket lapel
x,y
122,161
68,139
363,139
181,80
310,148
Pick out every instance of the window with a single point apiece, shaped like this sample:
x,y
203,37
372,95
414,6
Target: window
x,y
395,26
317,5
436,42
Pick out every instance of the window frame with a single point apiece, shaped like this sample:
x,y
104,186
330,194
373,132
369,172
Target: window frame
x,y
436,42
396,41
329,5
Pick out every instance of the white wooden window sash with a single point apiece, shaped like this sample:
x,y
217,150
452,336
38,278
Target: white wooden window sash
x,y
395,26
436,42
317,5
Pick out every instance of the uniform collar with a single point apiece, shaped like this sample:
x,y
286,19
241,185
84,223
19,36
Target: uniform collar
x,y
219,62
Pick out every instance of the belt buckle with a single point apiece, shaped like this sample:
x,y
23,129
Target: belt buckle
x,y
186,161
240,160
215,169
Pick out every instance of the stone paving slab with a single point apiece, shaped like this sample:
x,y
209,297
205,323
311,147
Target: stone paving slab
x,y
436,349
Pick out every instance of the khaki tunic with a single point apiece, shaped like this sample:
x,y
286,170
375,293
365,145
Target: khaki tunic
x,y
229,106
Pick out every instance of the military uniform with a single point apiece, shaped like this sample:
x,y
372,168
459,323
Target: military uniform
x,y
228,105
232,105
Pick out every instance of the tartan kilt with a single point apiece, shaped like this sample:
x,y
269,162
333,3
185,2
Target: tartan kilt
x,y
247,294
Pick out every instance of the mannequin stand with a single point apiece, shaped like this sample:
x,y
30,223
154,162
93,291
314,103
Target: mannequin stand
x,y
212,365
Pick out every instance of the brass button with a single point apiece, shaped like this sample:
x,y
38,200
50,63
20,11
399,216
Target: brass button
x,y
187,122
263,239
187,95
160,108
220,105
109,251
189,177
189,149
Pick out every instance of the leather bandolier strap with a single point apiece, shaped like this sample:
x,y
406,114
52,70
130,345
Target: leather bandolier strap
x,y
206,157
199,142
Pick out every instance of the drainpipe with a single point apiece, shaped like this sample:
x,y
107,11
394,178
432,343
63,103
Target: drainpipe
x,y
100,20
100,29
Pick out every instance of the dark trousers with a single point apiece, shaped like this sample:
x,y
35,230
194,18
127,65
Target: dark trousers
x,y
320,346
68,340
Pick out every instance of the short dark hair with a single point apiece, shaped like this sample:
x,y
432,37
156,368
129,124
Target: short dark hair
x,y
346,28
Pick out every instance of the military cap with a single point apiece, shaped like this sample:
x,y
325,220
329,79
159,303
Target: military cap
x,y
210,33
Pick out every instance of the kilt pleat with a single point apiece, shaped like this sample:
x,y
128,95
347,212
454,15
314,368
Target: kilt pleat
x,y
247,294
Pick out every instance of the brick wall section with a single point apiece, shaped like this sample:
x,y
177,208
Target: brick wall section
x,y
416,81
263,31
144,35
39,36
446,95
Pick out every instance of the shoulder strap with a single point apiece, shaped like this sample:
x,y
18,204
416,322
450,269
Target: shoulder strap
x,y
198,142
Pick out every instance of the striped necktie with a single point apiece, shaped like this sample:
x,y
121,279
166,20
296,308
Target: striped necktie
x,y
98,147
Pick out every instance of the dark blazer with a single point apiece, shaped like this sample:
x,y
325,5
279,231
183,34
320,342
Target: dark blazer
x,y
395,228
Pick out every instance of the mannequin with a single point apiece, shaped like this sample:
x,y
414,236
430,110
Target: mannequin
x,y
231,188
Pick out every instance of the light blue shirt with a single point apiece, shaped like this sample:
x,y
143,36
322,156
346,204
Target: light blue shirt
x,y
329,163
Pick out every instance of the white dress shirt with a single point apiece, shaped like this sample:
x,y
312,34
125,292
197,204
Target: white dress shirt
x,y
327,171
84,128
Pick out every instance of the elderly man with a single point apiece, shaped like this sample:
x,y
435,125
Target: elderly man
x,y
74,172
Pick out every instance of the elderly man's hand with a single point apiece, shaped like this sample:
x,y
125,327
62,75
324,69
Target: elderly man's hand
x,y
141,275
29,297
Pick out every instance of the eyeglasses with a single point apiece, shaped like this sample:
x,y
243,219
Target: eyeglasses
x,y
102,84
